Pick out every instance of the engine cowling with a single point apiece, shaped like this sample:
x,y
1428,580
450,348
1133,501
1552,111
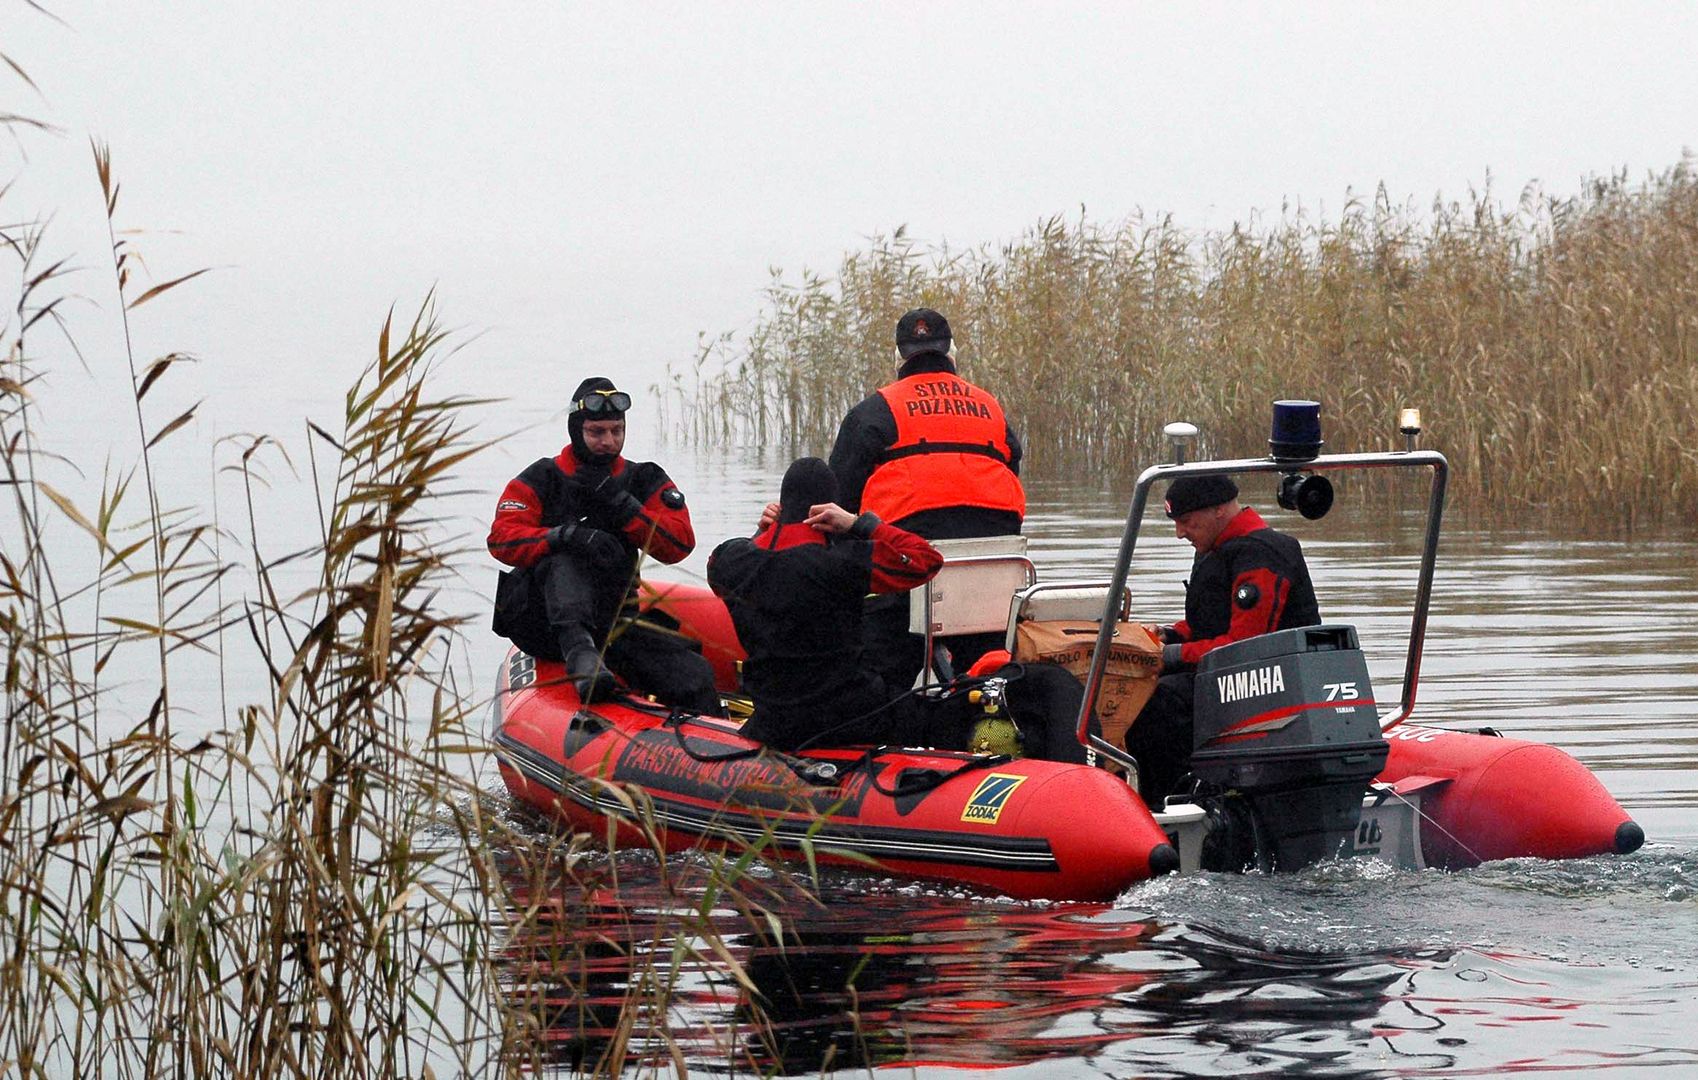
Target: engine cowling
x,y
1287,723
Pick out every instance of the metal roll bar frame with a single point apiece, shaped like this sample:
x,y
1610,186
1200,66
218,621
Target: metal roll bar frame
x,y
1323,463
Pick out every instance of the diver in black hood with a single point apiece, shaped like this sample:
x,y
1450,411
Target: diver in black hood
x,y
573,527
795,592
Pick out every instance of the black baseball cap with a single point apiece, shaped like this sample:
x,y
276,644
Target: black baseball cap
x,y
922,330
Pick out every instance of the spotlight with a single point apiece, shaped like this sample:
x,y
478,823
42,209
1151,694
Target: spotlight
x,y
1306,493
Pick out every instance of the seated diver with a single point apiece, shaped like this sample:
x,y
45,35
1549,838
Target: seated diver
x,y
795,592
572,527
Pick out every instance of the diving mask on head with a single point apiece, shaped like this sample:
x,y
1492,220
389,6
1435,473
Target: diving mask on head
x,y
597,402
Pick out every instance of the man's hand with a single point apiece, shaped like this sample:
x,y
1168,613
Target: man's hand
x,y
603,490
600,547
1171,660
829,518
769,517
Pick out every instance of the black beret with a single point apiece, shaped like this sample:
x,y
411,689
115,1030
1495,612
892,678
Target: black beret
x,y
1190,493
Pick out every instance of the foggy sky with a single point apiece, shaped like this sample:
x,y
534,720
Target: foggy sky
x,y
591,186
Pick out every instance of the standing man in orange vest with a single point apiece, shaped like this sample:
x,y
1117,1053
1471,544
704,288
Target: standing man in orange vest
x,y
932,454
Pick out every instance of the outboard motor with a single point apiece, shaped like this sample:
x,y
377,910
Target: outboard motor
x,y
1287,741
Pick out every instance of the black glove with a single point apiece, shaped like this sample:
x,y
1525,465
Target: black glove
x,y
609,493
1167,634
1170,659
600,547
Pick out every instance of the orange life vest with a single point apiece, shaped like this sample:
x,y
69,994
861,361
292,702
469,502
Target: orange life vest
x,y
951,449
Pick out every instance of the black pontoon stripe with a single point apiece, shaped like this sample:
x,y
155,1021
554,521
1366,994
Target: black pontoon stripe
x,y
1029,853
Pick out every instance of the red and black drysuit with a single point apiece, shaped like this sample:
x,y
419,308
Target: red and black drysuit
x,y
567,591
1253,581
935,455
795,596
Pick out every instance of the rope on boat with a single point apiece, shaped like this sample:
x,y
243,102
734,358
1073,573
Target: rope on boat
x,y
675,721
1430,820
945,691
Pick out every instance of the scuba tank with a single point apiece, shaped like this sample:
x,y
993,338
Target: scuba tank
x,y
993,731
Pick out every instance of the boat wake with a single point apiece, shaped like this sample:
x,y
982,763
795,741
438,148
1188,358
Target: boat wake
x,y
1600,910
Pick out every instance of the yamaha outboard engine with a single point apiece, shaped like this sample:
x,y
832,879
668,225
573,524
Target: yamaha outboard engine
x,y
1287,741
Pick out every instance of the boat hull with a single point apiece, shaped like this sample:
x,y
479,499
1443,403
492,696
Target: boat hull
x,y
1023,828
1485,797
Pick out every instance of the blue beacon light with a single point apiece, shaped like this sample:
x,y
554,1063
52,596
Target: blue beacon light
x,y
1296,431
1297,438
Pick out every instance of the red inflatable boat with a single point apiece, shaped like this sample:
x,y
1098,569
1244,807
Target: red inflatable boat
x,y
1303,768
1020,827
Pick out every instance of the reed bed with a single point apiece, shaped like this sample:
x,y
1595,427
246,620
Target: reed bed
x,y
311,882
1550,343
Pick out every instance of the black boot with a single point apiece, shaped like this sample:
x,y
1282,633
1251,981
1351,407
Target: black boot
x,y
589,675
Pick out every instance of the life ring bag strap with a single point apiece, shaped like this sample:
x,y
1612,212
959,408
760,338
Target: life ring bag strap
x,y
915,781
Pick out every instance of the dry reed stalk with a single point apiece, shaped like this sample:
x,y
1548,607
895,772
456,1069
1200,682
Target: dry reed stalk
x,y
1550,344
311,886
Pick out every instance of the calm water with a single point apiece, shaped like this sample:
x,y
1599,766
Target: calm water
x,y
1352,970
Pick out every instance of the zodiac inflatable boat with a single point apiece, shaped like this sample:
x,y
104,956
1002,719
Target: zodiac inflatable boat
x,y
1021,827
1294,760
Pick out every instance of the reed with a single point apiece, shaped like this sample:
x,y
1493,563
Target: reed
x,y
310,882
1549,343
